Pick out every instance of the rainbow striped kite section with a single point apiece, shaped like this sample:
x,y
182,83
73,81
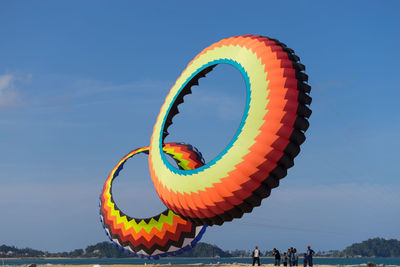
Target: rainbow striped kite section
x,y
164,234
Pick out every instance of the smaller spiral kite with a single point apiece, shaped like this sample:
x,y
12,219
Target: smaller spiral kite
x,y
161,235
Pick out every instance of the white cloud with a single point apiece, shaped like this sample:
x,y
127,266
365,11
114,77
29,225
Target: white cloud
x,y
8,95
5,81
65,94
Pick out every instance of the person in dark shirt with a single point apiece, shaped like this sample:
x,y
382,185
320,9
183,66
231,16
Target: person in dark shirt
x,y
277,257
305,260
310,254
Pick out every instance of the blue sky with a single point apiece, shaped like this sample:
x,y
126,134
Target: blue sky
x,y
81,84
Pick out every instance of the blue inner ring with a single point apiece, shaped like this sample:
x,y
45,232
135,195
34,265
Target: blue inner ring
x,y
245,114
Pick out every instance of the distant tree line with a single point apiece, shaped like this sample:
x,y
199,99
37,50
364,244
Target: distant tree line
x,y
103,249
376,247
11,251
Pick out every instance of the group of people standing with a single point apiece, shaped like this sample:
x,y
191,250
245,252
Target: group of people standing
x,y
290,257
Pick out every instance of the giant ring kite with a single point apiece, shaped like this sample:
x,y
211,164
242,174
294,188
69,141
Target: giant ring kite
x,y
264,146
164,234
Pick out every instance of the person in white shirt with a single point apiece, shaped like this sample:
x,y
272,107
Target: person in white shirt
x,y
256,256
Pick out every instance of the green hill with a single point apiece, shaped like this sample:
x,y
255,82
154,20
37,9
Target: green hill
x,y
206,250
375,247
105,250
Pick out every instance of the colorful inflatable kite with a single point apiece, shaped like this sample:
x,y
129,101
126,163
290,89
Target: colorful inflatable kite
x,y
263,148
161,235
